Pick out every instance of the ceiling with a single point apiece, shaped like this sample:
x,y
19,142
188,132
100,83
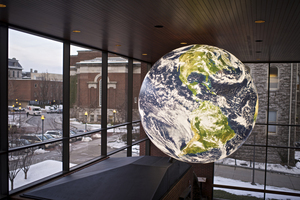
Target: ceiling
x,y
106,24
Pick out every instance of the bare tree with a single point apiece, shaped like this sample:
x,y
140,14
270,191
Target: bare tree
x,y
26,160
14,167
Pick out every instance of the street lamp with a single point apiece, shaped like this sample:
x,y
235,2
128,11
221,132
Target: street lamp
x,y
86,114
13,112
43,117
19,116
114,111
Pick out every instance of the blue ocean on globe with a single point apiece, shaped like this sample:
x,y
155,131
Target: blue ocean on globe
x,y
198,104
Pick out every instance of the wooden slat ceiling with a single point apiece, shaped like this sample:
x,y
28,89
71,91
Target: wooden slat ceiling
x,y
228,24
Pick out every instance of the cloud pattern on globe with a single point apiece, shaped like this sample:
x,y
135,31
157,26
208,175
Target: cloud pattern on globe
x,y
198,104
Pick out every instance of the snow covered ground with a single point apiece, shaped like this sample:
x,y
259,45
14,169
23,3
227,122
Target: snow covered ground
x,y
232,182
38,171
270,167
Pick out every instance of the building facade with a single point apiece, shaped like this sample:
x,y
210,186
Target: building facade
x,y
281,106
86,84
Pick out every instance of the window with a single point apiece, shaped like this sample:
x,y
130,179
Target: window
x,y
272,120
92,118
273,78
13,73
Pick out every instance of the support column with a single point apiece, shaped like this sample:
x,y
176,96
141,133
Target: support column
x,y
3,111
129,105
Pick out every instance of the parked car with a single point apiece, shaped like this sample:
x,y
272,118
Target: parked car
x,y
18,143
73,133
51,110
36,138
55,133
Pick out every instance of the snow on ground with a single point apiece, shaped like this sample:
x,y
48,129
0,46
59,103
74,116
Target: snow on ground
x,y
96,136
86,139
297,155
238,183
258,165
40,151
38,171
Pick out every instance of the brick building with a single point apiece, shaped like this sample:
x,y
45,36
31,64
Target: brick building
x,y
26,87
86,87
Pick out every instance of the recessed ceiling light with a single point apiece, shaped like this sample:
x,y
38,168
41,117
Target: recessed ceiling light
x,y
159,26
2,6
258,51
144,54
258,59
118,45
76,31
258,40
183,43
259,21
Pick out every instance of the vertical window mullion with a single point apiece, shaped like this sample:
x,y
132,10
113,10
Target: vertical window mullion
x,y
104,104
129,105
66,107
4,110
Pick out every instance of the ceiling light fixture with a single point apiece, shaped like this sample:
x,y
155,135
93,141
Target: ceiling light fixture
x,y
159,26
259,21
2,6
118,45
76,31
183,43
144,54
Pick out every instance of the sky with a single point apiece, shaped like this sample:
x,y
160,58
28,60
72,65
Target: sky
x,y
37,53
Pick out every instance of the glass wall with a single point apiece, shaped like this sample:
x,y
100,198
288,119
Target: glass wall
x,y
35,97
35,108
85,104
269,159
117,101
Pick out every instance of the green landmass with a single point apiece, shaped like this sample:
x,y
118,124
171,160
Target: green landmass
x,y
210,128
203,62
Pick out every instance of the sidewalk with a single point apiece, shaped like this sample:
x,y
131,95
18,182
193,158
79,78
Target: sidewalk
x,y
244,174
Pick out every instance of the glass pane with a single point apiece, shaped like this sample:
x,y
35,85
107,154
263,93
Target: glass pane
x,y
117,89
242,167
35,97
116,138
222,193
259,73
258,135
32,164
137,82
282,171
85,148
284,136
281,197
85,103
120,154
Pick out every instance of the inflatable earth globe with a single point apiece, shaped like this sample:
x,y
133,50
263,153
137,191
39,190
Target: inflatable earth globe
x,y
198,104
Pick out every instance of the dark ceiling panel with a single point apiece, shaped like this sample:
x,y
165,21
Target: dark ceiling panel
x,y
227,24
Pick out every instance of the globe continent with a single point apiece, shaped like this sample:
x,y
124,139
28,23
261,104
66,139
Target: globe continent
x,y
198,104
